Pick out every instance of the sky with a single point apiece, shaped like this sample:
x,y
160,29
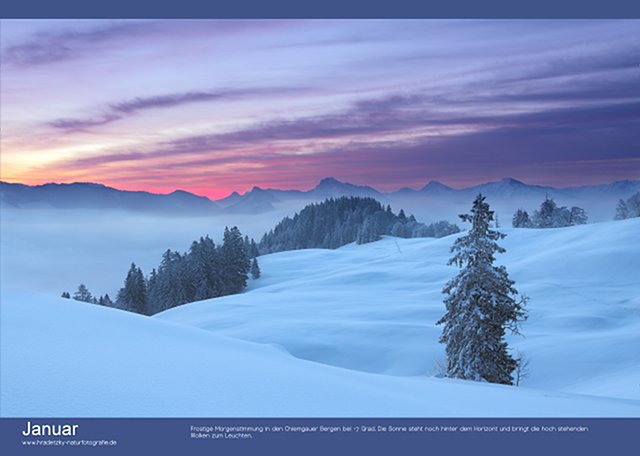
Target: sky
x,y
215,106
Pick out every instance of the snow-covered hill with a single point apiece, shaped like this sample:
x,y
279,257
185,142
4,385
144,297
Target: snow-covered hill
x,y
66,358
373,308
370,309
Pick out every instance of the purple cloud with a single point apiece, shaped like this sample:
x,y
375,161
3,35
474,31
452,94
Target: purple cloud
x,y
82,124
133,106
47,48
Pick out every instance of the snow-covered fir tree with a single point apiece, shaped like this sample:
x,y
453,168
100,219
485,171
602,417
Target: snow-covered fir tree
x,y
628,208
251,247
66,295
577,216
369,231
234,262
547,216
622,211
83,294
204,275
168,287
105,301
480,305
521,219
255,269
133,296
633,203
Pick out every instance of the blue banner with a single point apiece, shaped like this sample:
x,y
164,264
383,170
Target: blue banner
x,y
328,9
320,436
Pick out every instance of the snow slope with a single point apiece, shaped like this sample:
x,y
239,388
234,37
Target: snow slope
x,y
370,309
66,358
373,308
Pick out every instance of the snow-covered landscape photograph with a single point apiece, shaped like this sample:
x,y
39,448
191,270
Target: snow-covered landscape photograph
x,y
320,218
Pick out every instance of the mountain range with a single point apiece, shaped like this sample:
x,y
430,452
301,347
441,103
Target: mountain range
x,y
80,195
432,202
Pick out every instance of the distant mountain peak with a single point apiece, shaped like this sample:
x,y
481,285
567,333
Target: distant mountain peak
x,y
435,185
183,194
329,181
330,186
511,181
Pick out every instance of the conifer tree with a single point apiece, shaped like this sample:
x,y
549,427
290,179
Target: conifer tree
x,y
254,252
547,215
234,262
633,204
202,262
628,208
521,219
105,301
622,211
133,296
83,294
577,216
480,305
255,269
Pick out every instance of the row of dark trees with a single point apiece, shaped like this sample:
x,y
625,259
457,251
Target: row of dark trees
x,y
205,271
83,294
550,216
337,222
628,208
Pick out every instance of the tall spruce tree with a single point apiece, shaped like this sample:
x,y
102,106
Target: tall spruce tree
x,y
234,262
202,261
480,305
255,269
133,296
